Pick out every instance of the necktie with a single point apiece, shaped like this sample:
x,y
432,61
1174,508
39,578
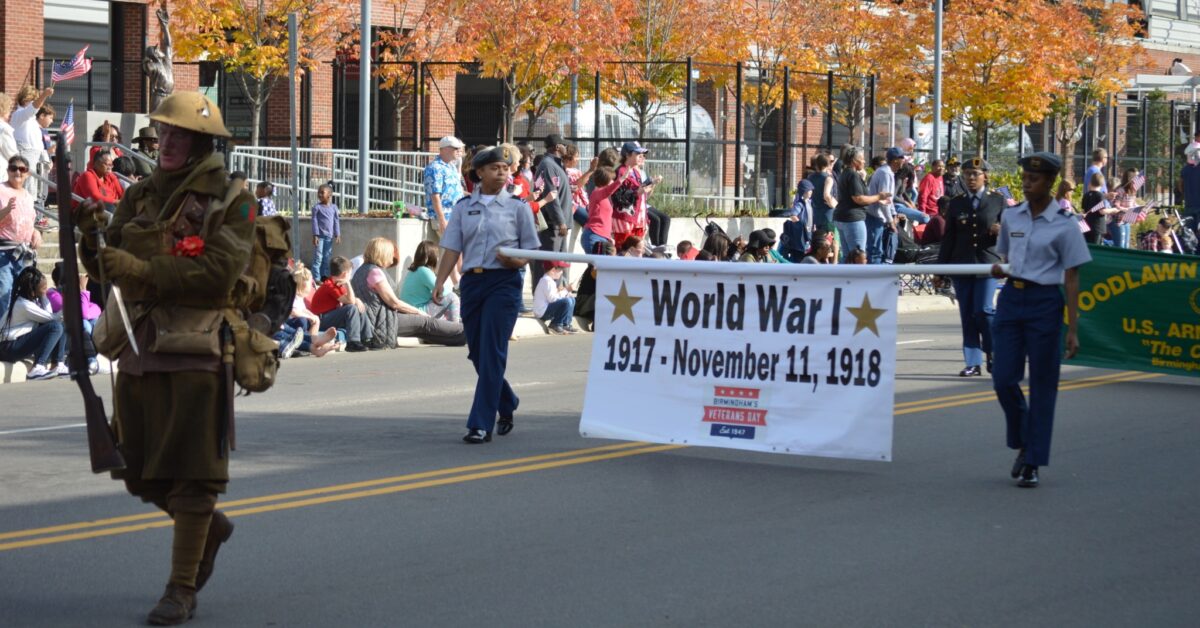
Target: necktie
x,y
974,202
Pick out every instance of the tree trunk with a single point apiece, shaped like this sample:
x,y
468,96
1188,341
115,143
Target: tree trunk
x,y
531,121
1066,144
256,105
980,128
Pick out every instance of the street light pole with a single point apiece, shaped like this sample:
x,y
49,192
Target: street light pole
x,y
364,108
293,34
937,78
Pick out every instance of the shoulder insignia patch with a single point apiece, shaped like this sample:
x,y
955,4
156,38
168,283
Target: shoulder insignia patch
x,y
249,211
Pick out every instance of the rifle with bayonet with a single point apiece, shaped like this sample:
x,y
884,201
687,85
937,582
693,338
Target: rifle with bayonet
x,y
102,443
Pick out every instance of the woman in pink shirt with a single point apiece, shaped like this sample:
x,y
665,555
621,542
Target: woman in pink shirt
x,y
629,203
17,217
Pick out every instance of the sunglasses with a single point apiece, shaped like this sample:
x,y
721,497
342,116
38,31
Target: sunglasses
x,y
18,169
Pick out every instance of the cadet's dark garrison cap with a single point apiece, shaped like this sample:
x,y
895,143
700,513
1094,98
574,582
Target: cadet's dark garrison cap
x,y
1046,163
977,163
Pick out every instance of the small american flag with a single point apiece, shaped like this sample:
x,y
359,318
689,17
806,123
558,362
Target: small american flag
x,y
1138,182
75,68
68,124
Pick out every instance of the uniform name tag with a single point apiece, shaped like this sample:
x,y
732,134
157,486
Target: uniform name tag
x,y
1016,234
473,212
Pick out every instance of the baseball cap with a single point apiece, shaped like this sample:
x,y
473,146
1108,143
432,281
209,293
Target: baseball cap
x,y
450,142
554,139
894,153
555,264
629,148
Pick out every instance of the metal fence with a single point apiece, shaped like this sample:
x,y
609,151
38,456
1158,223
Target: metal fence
x,y
394,177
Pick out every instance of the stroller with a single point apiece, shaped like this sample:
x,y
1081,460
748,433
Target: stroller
x,y
909,252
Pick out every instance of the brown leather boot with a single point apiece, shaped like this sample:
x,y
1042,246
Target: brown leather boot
x,y
178,604
219,531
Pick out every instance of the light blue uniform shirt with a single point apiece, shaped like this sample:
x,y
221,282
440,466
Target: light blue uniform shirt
x,y
477,229
1041,249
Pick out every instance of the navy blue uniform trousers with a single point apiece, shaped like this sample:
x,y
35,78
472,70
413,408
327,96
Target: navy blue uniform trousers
x,y
975,310
1028,324
490,304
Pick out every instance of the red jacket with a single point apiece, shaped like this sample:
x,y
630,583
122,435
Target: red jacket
x,y
90,185
932,188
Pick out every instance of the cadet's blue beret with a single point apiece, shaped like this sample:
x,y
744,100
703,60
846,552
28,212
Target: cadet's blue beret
x,y
1043,162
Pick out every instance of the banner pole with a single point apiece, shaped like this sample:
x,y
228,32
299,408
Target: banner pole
x,y
811,270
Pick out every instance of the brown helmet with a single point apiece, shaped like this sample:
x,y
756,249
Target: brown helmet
x,y
192,111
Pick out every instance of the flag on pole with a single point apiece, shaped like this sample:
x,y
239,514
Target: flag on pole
x,y
68,124
75,68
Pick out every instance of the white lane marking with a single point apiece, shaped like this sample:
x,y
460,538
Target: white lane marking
x,y
43,429
913,342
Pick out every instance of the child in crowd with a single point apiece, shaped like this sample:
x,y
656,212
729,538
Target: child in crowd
x,y
301,330
554,303
417,289
334,302
797,231
686,251
326,229
91,311
631,246
1123,198
822,251
857,256
598,229
578,178
31,330
265,193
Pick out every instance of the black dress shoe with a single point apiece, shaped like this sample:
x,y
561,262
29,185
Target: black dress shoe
x,y
1017,464
1029,477
476,437
504,425
970,371
989,362
355,347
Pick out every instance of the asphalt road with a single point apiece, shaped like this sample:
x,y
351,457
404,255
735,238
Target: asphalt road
x,y
356,504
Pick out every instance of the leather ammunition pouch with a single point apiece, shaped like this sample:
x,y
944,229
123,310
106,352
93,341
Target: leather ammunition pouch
x,y
186,330
255,355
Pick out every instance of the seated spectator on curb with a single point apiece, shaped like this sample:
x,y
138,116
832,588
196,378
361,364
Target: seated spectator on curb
x,y
857,256
300,332
631,246
417,289
31,330
337,306
717,245
389,318
936,228
759,248
554,303
685,251
705,256
90,311
821,252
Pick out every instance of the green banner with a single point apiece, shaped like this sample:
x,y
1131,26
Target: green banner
x,y
1139,311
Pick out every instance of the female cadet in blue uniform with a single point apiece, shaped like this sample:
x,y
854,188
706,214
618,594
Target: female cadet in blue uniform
x,y
491,284
972,225
1044,249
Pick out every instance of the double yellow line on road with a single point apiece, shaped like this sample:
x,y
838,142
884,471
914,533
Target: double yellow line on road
x,y
50,535
951,401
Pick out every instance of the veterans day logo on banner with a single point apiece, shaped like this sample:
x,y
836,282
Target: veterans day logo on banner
x,y
797,360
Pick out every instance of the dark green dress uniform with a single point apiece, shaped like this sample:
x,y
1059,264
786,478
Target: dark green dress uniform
x,y
968,240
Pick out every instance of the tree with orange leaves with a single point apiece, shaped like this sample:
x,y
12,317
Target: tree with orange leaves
x,y
249,38
1003,62
1100,44
857,40
533,45
413,39
767,35
662,35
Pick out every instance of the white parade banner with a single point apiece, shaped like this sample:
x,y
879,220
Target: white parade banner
x,y
796,359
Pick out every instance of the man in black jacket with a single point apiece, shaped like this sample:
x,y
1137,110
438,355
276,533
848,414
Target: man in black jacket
x,y
972,224
555,200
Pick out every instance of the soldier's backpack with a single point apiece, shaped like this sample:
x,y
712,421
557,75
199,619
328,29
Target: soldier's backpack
x,y
263,296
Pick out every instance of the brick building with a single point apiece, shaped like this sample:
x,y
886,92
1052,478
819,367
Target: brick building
x,y
32,32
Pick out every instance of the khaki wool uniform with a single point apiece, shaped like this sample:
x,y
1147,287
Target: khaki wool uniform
x,y
168,407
